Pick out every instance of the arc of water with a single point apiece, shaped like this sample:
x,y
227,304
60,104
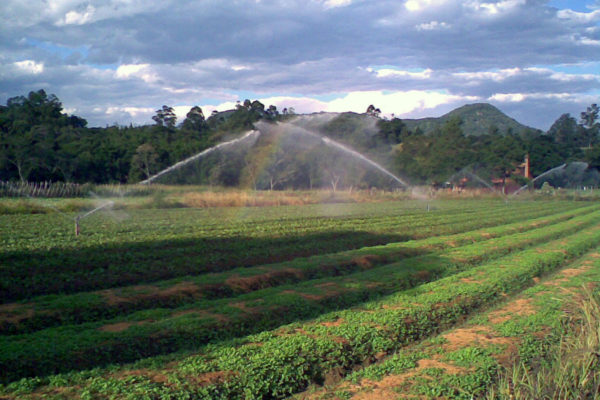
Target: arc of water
x,y
100,207
332,143
475,176
355,153
540,176
472,175
117,216
199,155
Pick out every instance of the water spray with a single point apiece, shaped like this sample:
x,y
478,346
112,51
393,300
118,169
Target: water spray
x,y
80,217
255,133
199,155
355,153
464,172
562,166
475,176
332,143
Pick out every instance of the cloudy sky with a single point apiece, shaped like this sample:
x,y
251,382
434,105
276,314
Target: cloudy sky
x,y
116,61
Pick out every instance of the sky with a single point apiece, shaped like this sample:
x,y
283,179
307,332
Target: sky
x,y
117,61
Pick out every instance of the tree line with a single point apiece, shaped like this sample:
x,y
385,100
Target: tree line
x,y
39,142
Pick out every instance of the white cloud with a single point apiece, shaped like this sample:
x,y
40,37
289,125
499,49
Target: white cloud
x,y
218,50
496,76
78,18
29,67
19,13
418,5
181,112
494,8
398,103
508,97
520,97
587,41
207,109
579,17
391,73
300,104
562,76
432,26
140,71
133,111
336,3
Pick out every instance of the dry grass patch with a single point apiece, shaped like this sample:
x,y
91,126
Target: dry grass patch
x,y
478,335
122,326
14,313
520,307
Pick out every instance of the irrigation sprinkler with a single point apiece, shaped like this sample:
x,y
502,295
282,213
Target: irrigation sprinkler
x,y
80,217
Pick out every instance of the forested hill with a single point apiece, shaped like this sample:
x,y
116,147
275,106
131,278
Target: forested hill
x,y
39,142
477,119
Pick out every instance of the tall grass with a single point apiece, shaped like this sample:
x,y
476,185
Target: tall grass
x,y
570,371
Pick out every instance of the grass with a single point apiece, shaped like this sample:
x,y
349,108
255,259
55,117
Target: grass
x,y
132,197
570,369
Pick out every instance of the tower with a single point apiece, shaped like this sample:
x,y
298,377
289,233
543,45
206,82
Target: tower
x,y
526,171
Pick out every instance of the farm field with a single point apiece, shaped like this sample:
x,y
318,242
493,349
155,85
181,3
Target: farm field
x,y
314,301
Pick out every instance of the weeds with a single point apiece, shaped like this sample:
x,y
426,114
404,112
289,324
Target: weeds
x,y
571,370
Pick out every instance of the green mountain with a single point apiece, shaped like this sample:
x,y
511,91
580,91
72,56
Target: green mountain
x,y
477,119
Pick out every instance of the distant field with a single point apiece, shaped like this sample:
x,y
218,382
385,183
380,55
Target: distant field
x,y
314,300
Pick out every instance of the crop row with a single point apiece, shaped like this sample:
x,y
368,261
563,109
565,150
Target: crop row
x,y
162,331
58,270
42,232
54,231
23,232
464,362
47,311
278,363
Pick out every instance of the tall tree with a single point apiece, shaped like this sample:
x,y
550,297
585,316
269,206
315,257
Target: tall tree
x,y
589,120
372,111
392,131
144,161
194,120
165,117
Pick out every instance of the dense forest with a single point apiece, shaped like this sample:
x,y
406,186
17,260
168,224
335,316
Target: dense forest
x,y
39,142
